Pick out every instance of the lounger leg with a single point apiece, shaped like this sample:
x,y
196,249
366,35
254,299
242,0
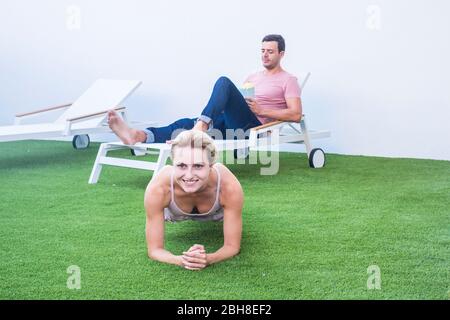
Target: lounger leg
x,y
307,140
97,169
162,159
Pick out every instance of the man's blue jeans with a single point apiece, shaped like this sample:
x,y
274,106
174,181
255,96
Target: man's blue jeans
x,y
226,109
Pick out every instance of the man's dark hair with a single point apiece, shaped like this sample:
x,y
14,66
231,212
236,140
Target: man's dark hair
x,y
276,37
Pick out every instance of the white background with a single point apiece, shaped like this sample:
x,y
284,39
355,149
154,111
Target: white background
x,y
380,69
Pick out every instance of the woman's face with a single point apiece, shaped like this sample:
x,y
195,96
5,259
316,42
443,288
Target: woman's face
x,y
192,168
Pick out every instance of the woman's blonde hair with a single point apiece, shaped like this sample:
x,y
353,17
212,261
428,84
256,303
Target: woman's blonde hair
x,y
195,139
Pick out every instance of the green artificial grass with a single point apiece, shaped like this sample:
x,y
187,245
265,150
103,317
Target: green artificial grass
x,y
308,234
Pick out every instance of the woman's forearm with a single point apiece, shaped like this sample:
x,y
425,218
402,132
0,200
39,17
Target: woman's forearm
x,y
223,253
165,256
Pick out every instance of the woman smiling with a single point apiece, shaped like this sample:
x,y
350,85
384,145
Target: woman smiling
x,y
194,188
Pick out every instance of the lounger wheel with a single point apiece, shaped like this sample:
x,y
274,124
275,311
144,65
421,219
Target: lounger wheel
x,y
317,158
81,141
241,153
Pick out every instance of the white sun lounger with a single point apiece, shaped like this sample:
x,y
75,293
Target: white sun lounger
x,y
85,116
268,136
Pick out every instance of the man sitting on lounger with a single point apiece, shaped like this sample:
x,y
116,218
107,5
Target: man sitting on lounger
x,y
276,97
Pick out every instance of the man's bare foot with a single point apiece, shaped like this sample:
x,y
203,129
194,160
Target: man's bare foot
x,y
126,134
200,125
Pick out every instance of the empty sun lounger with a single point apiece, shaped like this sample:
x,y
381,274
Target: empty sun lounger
x,y
84,116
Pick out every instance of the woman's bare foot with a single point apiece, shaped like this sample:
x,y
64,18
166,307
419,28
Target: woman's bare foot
x,y
126,134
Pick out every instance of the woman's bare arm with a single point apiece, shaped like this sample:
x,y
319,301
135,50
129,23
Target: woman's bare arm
x,y
155,201
232,198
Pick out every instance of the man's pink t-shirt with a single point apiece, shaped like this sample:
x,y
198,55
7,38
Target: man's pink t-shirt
x,y
271,91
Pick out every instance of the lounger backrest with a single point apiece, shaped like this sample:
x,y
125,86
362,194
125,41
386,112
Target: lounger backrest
x,y
104,94
303,79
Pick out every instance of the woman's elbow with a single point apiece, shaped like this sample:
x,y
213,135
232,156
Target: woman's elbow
x,y
234,251
152,255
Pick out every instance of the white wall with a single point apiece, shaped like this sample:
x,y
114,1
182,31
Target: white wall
x,y
380,69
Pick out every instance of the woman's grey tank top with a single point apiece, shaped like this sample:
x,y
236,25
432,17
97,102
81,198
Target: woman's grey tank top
x,y
173,213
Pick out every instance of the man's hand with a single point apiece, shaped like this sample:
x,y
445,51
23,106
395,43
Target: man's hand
x,y
195,258
253,105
